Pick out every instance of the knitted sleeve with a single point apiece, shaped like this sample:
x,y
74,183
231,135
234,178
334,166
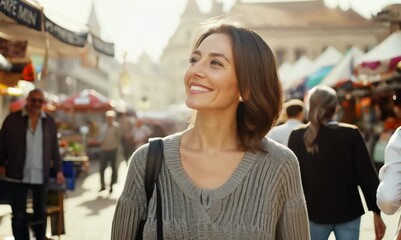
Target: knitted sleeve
x,y
131,206
293,223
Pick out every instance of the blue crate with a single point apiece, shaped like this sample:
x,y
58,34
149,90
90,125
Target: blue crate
x,y
70,173
69,169
70,183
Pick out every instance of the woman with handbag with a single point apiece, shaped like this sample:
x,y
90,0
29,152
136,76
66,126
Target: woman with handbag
x,y
334,161
221,178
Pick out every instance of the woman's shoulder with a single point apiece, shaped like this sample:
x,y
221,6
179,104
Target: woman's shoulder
x,y
277,153
140,155
169,140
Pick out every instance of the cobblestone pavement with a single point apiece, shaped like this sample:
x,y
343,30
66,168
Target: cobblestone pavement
x,y
88,213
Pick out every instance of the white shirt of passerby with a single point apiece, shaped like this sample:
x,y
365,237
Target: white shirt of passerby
x,y
110,136
281,133
389,190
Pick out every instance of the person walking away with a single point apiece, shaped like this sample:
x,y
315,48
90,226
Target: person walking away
x,y
294,109
334,161
221,178
126,125
28,150
389,190
109,142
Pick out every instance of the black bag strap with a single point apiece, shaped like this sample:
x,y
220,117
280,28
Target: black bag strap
x,y
153,166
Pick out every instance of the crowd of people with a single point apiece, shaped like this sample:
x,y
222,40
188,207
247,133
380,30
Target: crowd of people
x,y
236,172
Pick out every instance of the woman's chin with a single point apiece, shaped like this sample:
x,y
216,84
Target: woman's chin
x,y
192,104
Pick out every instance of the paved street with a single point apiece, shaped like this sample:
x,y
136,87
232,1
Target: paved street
x,y
88,214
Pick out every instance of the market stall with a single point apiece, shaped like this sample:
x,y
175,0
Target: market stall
x,y
87,100
380,63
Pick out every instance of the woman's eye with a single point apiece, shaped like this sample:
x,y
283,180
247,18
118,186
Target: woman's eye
x,y
217,63
193,60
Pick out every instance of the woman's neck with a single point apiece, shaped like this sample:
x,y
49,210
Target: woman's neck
x,y
201,137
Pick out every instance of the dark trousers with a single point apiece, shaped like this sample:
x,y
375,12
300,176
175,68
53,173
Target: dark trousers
x,y
107,157
17,194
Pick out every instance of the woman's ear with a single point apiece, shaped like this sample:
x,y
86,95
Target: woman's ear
x,y
245,96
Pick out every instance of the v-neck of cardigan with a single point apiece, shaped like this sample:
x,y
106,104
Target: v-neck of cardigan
x,y
205,196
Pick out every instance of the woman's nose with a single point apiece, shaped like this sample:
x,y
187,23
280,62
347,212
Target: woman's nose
x,y
197,69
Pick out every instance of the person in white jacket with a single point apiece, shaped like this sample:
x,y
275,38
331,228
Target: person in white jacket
x,y
389,189
294,109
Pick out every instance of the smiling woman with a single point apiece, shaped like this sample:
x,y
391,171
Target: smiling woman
x,y
207,180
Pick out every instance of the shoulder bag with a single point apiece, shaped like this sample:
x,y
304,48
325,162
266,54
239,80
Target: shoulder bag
x,y
153,165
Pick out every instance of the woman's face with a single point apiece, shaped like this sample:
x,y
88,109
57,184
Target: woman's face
x,y
210,80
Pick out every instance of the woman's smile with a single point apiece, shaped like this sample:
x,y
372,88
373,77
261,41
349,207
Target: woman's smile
x,y
198,88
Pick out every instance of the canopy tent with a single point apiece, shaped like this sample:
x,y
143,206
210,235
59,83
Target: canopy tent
x,y
320,67
382,58
284,71
329,57
316,77
87,100
297,71
343,70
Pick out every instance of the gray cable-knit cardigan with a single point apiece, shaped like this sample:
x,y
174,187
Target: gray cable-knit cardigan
x,y
263,199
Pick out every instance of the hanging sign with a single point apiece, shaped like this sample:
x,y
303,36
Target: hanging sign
x,y
22,13
67,36
102,46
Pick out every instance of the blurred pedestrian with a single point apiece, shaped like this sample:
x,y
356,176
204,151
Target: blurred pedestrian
x,y
221,178
140,133
334,161
109,143
126,125
294,109
389,190
28,150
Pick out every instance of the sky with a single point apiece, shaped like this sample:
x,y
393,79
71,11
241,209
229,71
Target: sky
x,y
138,26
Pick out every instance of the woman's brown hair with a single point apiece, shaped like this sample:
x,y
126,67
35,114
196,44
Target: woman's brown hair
x,y
258,82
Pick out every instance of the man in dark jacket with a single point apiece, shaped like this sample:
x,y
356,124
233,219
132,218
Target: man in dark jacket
x,y
28,149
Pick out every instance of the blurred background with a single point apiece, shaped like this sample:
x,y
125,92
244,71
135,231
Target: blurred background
x,y
91,56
